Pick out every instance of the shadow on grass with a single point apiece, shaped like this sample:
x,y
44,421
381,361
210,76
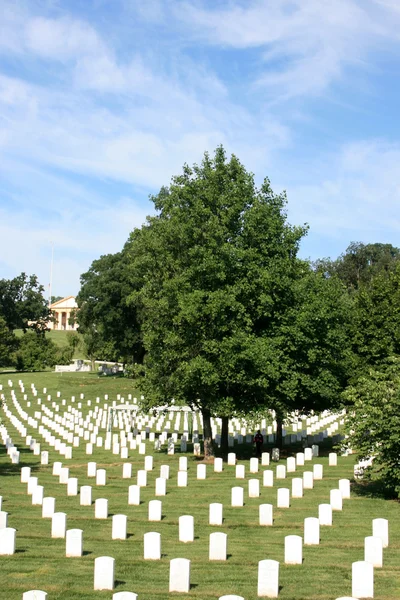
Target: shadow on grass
x,y
373,489
15,470
119,582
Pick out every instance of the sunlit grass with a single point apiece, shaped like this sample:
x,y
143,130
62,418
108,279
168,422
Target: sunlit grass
x,y
40,561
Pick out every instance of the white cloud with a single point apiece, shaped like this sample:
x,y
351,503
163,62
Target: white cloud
x,y
62,38
306,45
356,196
79,237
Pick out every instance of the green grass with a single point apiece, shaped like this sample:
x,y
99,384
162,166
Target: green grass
x,y
40,561
59,338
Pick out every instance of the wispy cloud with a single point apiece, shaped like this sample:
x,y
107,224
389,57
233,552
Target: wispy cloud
x,y
99,107
306,45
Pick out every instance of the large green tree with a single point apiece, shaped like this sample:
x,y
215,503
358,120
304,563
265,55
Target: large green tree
x,y
22,303
223,300
377,319
373,421
108,324
8,344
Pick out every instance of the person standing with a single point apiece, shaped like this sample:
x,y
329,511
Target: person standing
x,y
258,440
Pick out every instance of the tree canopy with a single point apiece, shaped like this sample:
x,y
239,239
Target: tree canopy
x,y
360,264
218,287
107,323
22,304
373,421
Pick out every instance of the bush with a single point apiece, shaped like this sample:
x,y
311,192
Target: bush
x,y
35,352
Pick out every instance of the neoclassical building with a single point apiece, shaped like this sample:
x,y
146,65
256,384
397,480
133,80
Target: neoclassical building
x,y
62,310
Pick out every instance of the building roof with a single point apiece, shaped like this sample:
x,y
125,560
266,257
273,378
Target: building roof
x,y
67,302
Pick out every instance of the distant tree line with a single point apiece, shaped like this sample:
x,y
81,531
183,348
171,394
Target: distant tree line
x,y
23,309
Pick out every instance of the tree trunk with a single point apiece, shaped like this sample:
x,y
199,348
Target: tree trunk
x,y
207,434
279,425
224,435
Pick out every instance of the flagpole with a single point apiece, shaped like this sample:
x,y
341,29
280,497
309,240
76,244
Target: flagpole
x,y
51,271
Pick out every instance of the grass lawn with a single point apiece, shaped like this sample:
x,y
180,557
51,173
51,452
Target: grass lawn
x,y
59,338
40,561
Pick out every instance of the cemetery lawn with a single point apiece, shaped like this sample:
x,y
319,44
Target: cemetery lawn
x,y
40,562
59,338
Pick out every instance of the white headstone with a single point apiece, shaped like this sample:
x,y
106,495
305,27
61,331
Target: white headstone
x,y
318,471
201,471
183,464
293,550
344,487
265,459
101,508
268,478
101,477
86,495
254,488
300,457
179,575
215,515
232,459
134,495
380,528
152,546
308,480
126,471
186,528
218,465
119,527
142,478
155,508
268,578
72,486
58,525
125,596
74,543
182,479
254,465
104,573
237,496
362,580
266,514
291,464
25,474
218,546
34,595
148,463
336,500
164,471
332,459
311,531
37,496
283,498
280,472
91,469
7,541
48,507
325,514
297,487
373,551
240,472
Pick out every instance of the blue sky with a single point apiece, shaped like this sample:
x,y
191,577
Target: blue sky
x,y
102,101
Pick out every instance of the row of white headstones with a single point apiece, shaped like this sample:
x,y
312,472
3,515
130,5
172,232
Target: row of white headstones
x,y
89,430
238,492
